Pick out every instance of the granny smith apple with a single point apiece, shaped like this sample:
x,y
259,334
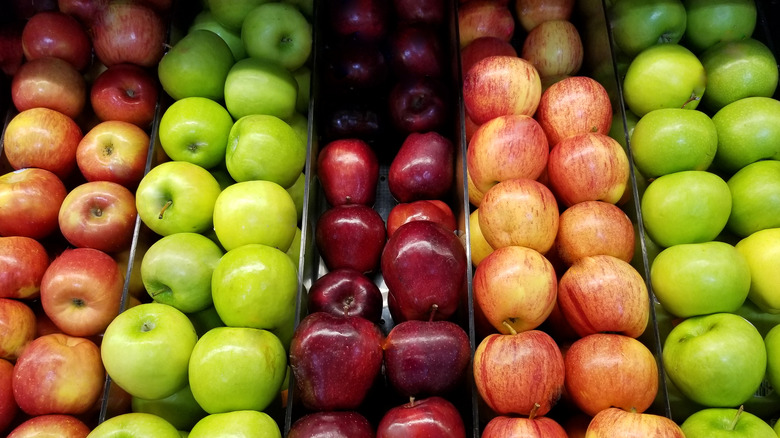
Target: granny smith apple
x,y
236,368
639,24
725,423
197,65
669,140
146,349
221,174
180,408
710,22
259,86
764,321
755,198
205,20
176,270
620,131
278,32
664,76
294,252
716,360
296,192
772,342
231,13
255,212
195,129
256,286
135,424
300,124
305,6
700,278
302,76
244,424
176,197
748,131
762,252
689,206
205,320
263,147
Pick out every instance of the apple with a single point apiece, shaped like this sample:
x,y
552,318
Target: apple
x,y
431,416
348,171
574,105
554,47
125,92
434,210
419,104
482,48
480,249
708,23
346,292
43,138
747,132
716,360
363,19
593,228
135,423
50,83
58,374
531,427
416,50
431,12
196,129
34,195
501,85
59,35
278,32
245,423
8,406
128,32
17,327
422,168
350,236
196,66
113,151
258,86
773,362
356,119
753,204
697,202
83,10
762,249
337,423
65,426
612,422
206,20
180,408
637,25
297,191
230,14
23,261
11,46
721,422
352,66
531,13
484,18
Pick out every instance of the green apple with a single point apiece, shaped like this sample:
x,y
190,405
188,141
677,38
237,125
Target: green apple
x,y
237,368
669,140
755,198
710,22
772,342
146,348
700,278
244,424
762,252
176,270
738,69
195,129
748,131
764,321
134,424
716,360
294,252
197,65
664,76
255,212
278,32
231,13
180,408
303,77
176,197
300,124
256,286
263,147
205,320
205,20
689,206
305,6
620,131
258,86
296,192
725,423
221,174
639,24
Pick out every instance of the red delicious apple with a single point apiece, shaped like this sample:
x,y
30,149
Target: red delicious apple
x,y
43,138
348,170
366,19
532,12
434,210
614,422
336,424
430,12
356,65
31,200
83,10
335,360
595,283
128,32
125,92
346,292
350,236
498,361
58,374
8,406
480,18
554,48
11,51
51,83
60,425
355,119
501,85
59,35
113,151
574,105
523,427
482,48
423,167
419,104
588,167
81,291
23,260
17,327
417,50
424,268
432,416
592,228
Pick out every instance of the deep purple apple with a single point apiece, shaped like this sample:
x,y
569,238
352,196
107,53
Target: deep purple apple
x,y
421,11
335,424
346,292
356,65
429,417
348,170
352,119
350,236
416,50
419,104
423,168
365,19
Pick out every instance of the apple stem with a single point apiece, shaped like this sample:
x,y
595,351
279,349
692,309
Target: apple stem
x,y
733,424
411,401
165,207
693,98
534,410
434,308
509,327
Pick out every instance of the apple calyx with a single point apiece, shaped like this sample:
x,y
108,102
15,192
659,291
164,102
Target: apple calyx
x,y
509,327
534,409
147,326
78,302
168,203
347,303
733,424
96,211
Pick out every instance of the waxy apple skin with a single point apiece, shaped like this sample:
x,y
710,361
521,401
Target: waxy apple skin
x,y
35,195
23,261
336,423
351,236
346,292
535,427
501,85
423,168
432,416
348,170
614,422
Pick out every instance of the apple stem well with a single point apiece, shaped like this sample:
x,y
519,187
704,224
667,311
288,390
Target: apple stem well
x,y
734,422
511,329
165,207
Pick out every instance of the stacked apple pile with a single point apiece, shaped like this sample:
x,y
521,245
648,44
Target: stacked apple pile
x,y
702,122
83,98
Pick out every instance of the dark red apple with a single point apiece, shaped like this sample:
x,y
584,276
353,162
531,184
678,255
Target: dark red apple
x,y
128,32
356,65
351,236
417,50
431,12
83,10
322,424
364,120
11,52
346,292
419,104
365,19
434,210
423,168
429,417
23,261
348,170
31,200
56,34
125,92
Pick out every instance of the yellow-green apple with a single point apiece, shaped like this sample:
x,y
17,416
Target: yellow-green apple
x,y
196,66
689,206
754,204
748,131
572,174
128,32
531,427
620,130
351,236
43,138
205,19
574,105
366,20
505,391
177,196
606,370
50,83
196,129
230,14
434,210
506,147
716,360
484,18
17,327
52,33
31,200
237,368
772,342
515,287
8,406
637,25
346,292
125,92
762,250
478,245
419,104
483,47
710,23
594,283
297,191
246,423
612,422
65,426
180,408
668,140
342,423
664,76
23,261
302,76
554,48
113,151
422,168
720,422
58,374
257,86
348,171
429,416
135,423
594,228
81,291
277,32
530,13
500,85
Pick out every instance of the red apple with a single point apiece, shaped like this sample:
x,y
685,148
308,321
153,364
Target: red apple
x,y
114,151
419,104
530,13
588,167
8,406
430,12
482,48
423,167
11,51
17,327
64,426
417,50
480,18
574,105
348,170
350,236
365,19
83,10
356,66
58,374
501,85
600,282
23,260
50,83
614,422
434,210
432,416
31,200
554,48
346,292
81,291
336,423
125,92
59,35
128,32
523,427
592,228
520,373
